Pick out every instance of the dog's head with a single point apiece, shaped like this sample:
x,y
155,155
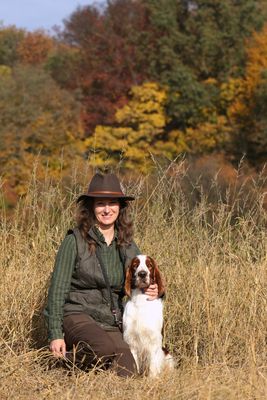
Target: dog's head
x,y
142,272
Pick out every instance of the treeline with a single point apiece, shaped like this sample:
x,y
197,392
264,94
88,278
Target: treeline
x,y
133,79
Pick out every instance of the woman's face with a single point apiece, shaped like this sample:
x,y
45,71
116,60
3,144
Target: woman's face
x,y
106,211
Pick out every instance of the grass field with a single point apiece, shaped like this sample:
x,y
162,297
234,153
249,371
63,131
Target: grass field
x,y
211,247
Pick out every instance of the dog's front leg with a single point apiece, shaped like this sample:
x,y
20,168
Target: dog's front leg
x,y
135,356
156,362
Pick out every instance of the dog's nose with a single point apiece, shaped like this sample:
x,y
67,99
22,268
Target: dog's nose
x,y
142,274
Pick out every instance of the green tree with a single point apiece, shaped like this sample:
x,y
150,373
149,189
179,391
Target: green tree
x,y
206,35
10,38
189,42
64,66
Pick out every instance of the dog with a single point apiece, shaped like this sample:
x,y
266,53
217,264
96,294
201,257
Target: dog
x,y
143,318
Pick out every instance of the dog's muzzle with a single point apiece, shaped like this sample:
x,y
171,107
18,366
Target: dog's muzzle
x,y
142,279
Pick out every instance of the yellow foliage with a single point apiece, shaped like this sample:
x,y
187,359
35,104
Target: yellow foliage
x,y
207,136
230,90
257,57
211,81
178,138
106,137
146,109
5,71
142,131
141,121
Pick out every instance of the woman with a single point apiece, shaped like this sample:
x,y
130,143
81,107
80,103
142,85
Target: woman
x,y
86,290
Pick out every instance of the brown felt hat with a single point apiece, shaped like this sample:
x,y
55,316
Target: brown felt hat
x,y
105,185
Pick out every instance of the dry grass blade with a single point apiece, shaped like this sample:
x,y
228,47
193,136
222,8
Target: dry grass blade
x,y
213,255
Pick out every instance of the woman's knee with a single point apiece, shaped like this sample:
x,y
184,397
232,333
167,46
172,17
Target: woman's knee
x,y
106,349
103,348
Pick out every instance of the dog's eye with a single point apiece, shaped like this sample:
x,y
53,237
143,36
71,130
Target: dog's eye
x,y
135,265
149,265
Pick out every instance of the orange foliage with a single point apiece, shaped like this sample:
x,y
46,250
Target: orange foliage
x,y
247,114
257,58
255,67
35,47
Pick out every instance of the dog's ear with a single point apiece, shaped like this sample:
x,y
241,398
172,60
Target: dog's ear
x,y
128,281
160,282
158,278
129,277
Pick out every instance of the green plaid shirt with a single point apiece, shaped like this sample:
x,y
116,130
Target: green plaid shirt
x,y
111,260
62,274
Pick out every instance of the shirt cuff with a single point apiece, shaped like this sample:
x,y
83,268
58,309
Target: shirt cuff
x,y
55,334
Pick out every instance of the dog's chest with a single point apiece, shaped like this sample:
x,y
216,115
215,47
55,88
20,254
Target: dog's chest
x,y
142,316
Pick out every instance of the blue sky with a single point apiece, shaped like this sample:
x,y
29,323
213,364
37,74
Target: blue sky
x,y
36,14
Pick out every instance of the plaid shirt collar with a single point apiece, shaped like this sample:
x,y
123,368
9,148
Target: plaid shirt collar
x,y
98,236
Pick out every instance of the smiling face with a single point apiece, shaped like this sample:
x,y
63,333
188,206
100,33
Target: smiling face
x,y
106,211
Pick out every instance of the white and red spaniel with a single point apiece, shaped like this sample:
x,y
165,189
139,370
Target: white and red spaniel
x,y
143,319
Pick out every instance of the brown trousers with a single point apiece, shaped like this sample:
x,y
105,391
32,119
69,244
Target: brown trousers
x,y
89,345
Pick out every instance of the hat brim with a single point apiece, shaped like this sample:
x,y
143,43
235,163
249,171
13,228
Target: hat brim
x,y
104,195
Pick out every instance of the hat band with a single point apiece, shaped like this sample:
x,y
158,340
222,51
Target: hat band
x,y
106,192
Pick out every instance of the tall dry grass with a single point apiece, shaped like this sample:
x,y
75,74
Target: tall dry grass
x,y
212,252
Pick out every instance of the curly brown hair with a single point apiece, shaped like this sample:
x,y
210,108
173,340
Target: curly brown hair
x,y
86,219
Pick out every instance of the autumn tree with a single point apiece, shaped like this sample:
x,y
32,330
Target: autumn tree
x,y
180,44
192,51
35,47
142,130
247,111
190,42
37,118
140,125
107,50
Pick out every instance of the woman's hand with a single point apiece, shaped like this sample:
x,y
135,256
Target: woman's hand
x,y
58,347
152,291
